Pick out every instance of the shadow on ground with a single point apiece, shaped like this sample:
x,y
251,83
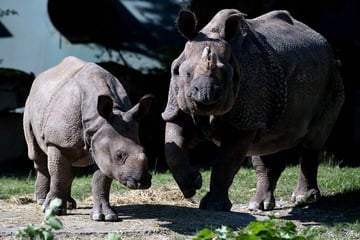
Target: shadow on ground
x,y
183,220
329,210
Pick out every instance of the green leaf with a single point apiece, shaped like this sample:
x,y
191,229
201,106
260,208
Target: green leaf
x,y
256,227
49,213
46,235
31,229
245,236
289,227
113,236
205,234
223,232
55,223
55,203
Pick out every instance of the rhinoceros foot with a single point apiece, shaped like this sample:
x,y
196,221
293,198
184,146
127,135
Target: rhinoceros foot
x,y
264,202
103,217
62,210
103,213
71,203
303,197
215,203
59,211
40,201
264,206
191,186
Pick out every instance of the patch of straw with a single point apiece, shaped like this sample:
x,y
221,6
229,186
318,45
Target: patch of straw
x,y
166,194
21,200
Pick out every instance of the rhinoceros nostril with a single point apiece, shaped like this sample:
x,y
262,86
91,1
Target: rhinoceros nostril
x,y
197,95
206,94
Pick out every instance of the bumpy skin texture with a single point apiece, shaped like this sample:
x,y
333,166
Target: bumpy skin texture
x,y
255,87
77,114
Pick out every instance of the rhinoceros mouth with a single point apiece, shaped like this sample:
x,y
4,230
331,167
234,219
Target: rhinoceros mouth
x,y
143,183
207,109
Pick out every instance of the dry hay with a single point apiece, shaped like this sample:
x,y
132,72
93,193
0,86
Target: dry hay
x,y
165,194
20,200
13,204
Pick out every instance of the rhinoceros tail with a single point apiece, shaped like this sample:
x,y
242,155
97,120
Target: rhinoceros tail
x,y
32,145
30,140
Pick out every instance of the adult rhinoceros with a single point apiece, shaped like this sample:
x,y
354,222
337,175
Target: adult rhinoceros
x,y
254,87
78,114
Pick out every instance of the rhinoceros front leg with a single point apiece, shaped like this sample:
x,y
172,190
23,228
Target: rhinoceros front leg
x,y
231,155
102,210
307,189
61,176
176,153
268,170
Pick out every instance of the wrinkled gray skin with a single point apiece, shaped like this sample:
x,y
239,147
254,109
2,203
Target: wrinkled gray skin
x,y
77,114
254,87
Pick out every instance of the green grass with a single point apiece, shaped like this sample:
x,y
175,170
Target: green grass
x,y
332,181
16,186
340,188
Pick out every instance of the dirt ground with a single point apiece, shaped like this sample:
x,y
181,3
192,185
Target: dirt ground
x,y
165,214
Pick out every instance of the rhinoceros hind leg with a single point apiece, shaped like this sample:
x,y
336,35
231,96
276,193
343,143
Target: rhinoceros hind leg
x,y
268,170
42,182
42,186
307,190
62,174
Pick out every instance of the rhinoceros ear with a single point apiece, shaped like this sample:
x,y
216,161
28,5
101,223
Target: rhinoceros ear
x,y
105,106
186,23
140,109
232,25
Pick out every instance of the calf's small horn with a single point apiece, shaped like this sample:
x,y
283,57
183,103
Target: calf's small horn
x,y
209,58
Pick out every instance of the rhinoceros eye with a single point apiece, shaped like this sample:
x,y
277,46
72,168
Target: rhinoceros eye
x,y
185,71
120,157
188,74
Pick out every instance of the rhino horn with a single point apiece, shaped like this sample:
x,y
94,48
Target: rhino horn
x,y
208,58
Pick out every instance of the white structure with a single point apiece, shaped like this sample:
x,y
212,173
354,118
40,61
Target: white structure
x,y
36,45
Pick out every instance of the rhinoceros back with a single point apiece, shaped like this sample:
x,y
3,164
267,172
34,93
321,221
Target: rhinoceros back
x,y
64,97
282,62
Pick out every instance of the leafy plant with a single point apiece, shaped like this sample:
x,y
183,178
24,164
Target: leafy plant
x,y
45,230
257,230
113,236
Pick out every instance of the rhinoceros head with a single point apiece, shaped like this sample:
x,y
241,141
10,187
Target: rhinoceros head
x,y
115,145
205,77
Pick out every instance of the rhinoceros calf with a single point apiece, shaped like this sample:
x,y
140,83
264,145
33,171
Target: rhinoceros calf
x,y
254,87
78,114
